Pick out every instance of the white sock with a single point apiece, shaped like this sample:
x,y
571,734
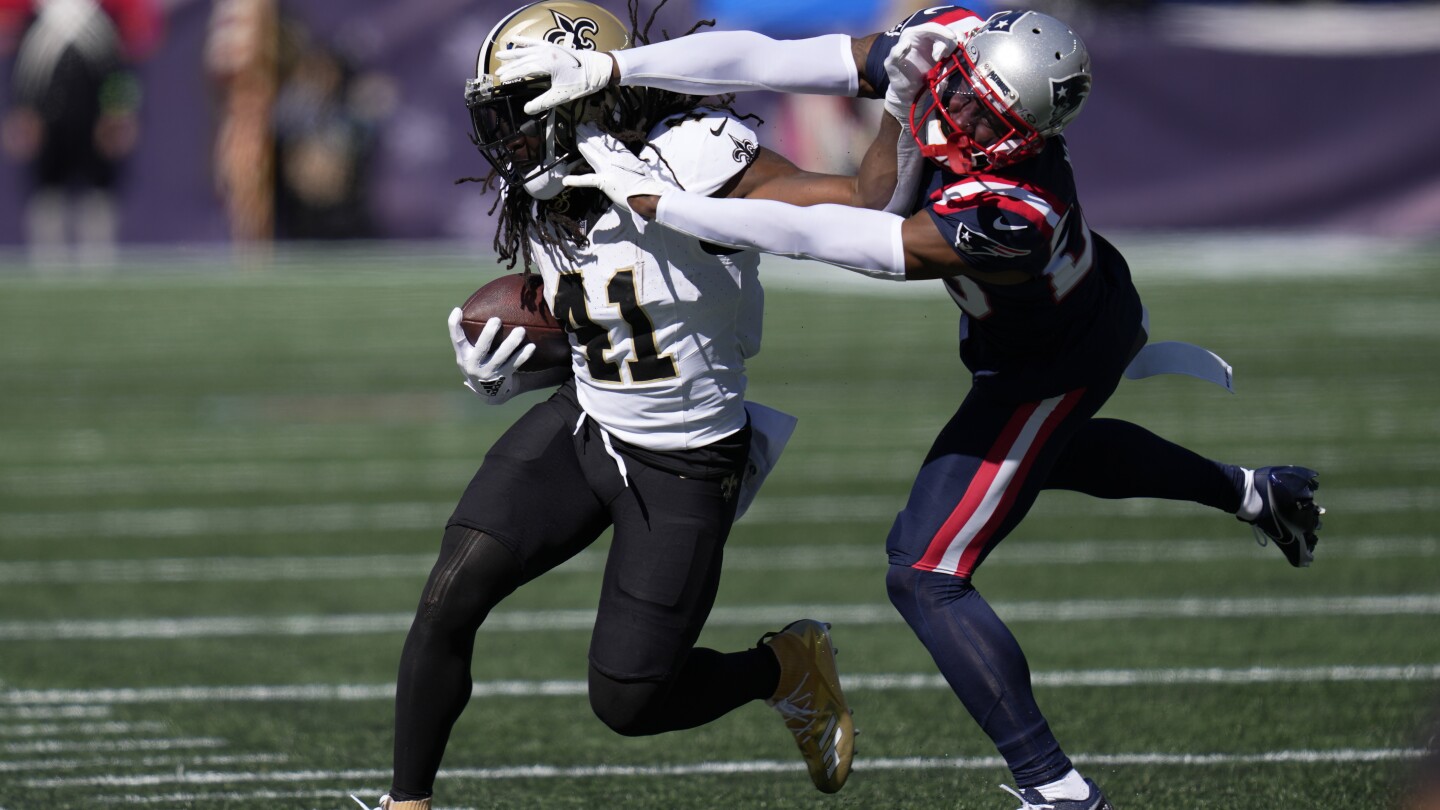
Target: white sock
x,y
1071,788
1250,502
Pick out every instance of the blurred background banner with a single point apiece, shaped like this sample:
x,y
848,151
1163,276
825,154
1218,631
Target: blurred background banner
x,y
1250,116
310,119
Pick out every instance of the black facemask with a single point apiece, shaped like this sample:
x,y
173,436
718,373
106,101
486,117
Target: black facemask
x,y
510,140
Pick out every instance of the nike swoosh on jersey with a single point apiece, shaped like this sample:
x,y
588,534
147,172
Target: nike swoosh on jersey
x,y
1000,224
716,131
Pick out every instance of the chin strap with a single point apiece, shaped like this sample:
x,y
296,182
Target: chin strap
x,y
939,147
546,184
958,158
550,183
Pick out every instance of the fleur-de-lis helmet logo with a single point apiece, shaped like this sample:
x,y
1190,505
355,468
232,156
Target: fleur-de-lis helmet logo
x,y
577,34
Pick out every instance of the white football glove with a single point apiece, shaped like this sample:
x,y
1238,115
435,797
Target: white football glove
x,y
490,373
918,50
619,174
573,74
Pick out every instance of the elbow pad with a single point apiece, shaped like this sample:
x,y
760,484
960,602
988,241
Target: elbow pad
x,y
718,62
867,242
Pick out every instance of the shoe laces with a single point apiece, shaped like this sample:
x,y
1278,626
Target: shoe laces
x,y
1025,805
798,708
1263,538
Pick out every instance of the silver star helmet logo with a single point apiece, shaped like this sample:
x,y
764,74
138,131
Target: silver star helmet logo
x,y
1004,21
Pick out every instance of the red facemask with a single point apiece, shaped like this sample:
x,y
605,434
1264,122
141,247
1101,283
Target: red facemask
x,y
963,124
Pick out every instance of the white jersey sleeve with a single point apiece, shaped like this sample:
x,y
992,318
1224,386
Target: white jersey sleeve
x,y
700,155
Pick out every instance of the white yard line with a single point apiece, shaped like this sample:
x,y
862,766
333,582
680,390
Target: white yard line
x,y
52,730
814,557
169,762
878,682
319,478
396,516
218,569
97,746
1343,755
439,264
54,713
337,479
853,614
339,796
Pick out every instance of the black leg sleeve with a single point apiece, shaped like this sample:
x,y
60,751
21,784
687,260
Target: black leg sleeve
x,y
473,574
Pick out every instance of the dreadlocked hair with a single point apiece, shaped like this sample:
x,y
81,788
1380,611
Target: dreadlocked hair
x,y
561,223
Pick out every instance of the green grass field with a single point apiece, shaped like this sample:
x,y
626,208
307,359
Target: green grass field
x,y
221,489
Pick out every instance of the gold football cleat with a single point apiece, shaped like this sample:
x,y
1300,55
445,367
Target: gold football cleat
x,y
810,700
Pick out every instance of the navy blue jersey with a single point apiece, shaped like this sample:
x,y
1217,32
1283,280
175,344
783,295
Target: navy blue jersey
x,y
1076,312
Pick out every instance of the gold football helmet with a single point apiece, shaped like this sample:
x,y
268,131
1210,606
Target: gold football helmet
x,y
535,152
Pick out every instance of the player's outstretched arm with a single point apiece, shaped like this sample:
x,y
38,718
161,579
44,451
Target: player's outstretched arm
x,y
890,173
704,64
878,244
873,243
773,177
716,62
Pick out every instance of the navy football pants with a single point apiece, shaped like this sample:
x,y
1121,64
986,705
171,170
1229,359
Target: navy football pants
x,y
977,483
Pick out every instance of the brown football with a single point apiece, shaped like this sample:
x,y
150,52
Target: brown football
x,y
519,300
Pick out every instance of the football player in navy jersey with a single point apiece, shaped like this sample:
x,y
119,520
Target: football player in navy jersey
x,y
974,178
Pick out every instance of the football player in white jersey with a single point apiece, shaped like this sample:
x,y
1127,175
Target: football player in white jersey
x,y
648,433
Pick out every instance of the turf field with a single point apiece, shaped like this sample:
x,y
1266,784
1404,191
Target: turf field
x,y
221,488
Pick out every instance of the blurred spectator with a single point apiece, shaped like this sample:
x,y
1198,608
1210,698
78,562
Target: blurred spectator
x,y
241,57
74,117
297,128
324,125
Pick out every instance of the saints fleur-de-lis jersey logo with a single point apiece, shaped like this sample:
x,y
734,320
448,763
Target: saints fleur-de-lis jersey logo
x,y
577,34
744,151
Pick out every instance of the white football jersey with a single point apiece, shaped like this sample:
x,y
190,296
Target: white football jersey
x,y
660,328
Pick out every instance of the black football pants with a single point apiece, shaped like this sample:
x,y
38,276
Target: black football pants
x,y
546,491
